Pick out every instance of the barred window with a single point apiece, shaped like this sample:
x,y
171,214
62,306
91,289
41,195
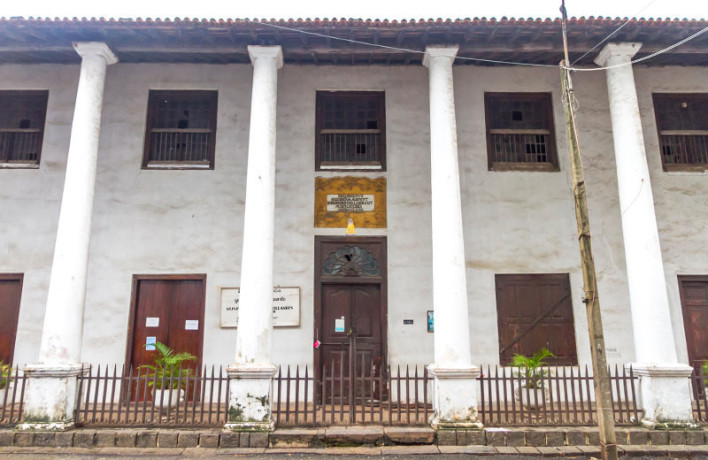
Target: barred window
x,y
350,130
520,133
682,121
22,115
181,130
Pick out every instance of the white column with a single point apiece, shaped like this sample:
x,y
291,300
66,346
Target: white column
x,y
251,388
51,388
454,395
664,383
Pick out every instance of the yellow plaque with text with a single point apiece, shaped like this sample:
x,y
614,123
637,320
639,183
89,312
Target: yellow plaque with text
x,y
338,199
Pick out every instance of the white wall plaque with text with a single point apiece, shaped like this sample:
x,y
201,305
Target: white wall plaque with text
x,y
286,306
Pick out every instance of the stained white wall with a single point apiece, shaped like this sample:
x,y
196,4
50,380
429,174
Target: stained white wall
x,y
156,221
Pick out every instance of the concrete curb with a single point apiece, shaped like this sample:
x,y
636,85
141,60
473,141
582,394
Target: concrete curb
x,y
376,437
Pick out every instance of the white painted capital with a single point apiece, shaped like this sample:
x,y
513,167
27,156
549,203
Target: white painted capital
x,y
85,49
440,54
440,372
251,372
266,52
661,370
617,53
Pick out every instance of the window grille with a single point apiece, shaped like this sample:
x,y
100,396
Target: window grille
x,y
682,122
22,115
520,131
350,130
180,130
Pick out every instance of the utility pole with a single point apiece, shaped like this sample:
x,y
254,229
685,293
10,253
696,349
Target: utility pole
x,y
601,378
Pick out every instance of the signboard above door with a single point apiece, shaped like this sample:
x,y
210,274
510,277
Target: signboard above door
x,y
338,199
286,306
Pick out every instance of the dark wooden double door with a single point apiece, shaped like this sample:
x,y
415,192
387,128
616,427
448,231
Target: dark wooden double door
x,y
168,309
350,317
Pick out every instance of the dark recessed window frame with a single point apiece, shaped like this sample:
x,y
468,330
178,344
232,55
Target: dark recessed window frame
x,y
682,127
520,132
351,143
22,118
535,311
180,132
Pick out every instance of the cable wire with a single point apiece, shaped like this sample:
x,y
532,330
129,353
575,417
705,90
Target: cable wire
x,y
614,32
494,61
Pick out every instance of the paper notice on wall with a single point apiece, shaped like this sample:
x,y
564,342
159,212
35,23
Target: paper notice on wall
x,y
191,325
152,321
339,324
150,343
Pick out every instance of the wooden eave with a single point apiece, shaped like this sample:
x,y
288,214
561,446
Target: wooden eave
x,y
223,42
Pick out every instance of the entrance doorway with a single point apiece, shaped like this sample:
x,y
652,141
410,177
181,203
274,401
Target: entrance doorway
x,y
168,309
694,303
350,311
10,293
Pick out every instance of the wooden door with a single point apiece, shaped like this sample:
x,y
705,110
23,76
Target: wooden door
x,y
694,302
352,341
10,293
350,310
170,309
535,311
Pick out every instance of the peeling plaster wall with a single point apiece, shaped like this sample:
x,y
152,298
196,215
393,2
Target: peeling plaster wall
x,y
170,222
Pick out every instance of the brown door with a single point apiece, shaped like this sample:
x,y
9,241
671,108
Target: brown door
x,y
10,292
694,301
350,317
535,311
169,309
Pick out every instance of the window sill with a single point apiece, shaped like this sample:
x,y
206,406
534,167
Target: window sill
x,y
700,168
19,165
179,165
524,167
350,167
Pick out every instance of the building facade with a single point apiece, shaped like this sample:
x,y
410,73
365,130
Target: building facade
x,y
209,156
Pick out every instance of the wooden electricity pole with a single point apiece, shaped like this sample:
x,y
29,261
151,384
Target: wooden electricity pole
x,y
601,378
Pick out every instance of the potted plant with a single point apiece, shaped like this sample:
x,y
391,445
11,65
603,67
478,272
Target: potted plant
x,y
531,372
165,375
5,383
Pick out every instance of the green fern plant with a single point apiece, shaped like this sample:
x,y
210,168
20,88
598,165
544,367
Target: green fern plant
x,y
705,372
531,367
166,371
5,374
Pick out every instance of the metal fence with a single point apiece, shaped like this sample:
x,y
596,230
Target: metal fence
x,y
565,396
12,396
119,396
699,383
110,396
397,396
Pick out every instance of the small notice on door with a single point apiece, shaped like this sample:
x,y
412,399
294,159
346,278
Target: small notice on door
x,y
191,325
152,321
339,324
150,343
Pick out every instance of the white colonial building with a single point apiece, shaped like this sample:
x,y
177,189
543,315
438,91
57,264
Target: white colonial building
x,y
149,168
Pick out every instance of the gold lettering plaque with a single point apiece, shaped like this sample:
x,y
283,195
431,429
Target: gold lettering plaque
x,y
339,198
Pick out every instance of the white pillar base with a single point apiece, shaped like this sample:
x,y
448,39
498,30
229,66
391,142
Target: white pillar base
x,y
51,396
250,397
454,398
665,395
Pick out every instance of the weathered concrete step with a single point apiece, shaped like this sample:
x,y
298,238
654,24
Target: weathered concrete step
x,y
352,436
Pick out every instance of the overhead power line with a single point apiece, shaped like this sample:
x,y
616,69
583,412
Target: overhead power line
x,y
496,61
